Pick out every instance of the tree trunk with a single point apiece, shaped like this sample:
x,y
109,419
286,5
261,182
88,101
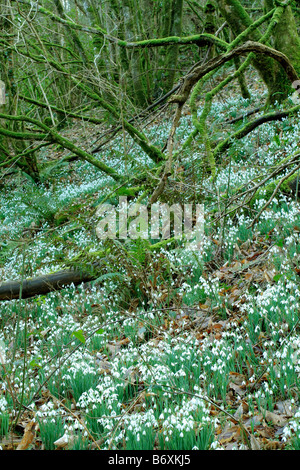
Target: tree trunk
x,y
175,29
9,147
210,25
287,42
139,90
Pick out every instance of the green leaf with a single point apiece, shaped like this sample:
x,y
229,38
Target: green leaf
x,y
33,364
99,332
79,335
276,140
277,277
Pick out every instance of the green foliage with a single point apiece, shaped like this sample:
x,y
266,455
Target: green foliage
x,y
51,429
4,424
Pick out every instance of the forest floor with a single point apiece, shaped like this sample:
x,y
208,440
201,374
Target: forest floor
x,y
166,349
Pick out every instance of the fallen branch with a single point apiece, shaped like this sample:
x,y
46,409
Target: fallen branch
x,y
42,285
239,118
273,195
250,126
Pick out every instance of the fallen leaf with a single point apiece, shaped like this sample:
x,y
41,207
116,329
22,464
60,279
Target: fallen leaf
x,y
274,445
237,389
254,255
238,379
254,443
286,408
248,276
239,412
29,433
230,433
274,418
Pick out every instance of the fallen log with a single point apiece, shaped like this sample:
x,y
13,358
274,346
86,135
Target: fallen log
x,y
42,285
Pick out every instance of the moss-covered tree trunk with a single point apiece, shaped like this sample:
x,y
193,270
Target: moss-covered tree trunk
x,y
210,24
11,149
173,28
286,41
72,34
136,69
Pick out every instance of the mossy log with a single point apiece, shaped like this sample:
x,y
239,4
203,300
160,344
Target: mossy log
x,y
42,285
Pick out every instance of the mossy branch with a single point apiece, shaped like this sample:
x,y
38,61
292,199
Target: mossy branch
x,y
51,135
246,33
61,110
139,137
250,46
250,126
200,40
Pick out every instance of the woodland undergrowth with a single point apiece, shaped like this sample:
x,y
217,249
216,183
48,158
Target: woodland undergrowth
x,y
167,348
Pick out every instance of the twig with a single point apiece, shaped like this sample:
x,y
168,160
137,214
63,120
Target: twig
x,y
272,196
77,418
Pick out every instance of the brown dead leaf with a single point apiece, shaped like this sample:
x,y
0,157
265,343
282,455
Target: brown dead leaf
x,y
276,419
254,443
217,326
29,434
286,408
254,255
203,306
273,445
230,433
248,276
115,347
237,378
237,389
239,412
123,342
264,431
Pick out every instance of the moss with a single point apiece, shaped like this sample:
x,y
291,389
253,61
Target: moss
x,y
291,185
129,191
286,41
48,121
241,24
242,80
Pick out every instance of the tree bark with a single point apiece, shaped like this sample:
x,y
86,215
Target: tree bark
x,y
43,284
287,42
175,28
